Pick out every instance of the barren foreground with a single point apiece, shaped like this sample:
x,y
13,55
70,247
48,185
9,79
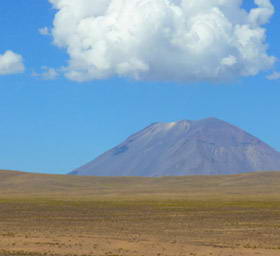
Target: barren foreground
x,y
227,216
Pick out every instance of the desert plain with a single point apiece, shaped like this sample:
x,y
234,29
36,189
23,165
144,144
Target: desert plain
x,y
60,215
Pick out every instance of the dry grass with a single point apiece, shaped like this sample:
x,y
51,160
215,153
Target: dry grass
x,y
176,216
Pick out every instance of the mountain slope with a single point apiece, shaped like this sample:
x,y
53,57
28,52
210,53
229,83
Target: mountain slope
x,y
208,146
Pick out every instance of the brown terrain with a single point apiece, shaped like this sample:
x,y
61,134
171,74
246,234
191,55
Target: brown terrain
x,y
172,216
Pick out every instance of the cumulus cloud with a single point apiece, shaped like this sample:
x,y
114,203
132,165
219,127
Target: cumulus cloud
x,y
274,76
47,73
168,40
11,63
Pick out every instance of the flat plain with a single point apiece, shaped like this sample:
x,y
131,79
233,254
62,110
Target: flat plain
x,y
61,215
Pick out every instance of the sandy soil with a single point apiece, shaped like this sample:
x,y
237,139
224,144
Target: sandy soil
x,y
95,246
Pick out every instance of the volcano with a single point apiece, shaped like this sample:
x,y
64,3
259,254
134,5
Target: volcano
x,y
204,147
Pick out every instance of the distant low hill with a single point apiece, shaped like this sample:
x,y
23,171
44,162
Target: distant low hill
x,y
204,147
66,186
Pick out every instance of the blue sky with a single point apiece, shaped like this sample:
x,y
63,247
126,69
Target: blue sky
x,y
59,124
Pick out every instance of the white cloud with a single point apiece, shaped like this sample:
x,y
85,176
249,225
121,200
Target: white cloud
x,y
44,31
47,74
274,76
169,40
11,63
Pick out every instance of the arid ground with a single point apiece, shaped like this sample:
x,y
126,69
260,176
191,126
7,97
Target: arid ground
x,y
173,216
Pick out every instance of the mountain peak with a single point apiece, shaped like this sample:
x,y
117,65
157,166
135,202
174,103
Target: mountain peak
x,y
206,146
208,120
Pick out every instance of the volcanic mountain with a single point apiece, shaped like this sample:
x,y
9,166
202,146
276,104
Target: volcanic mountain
x,y
204,147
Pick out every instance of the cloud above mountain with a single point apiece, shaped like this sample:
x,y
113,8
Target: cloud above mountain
x,y
163,40
11,63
